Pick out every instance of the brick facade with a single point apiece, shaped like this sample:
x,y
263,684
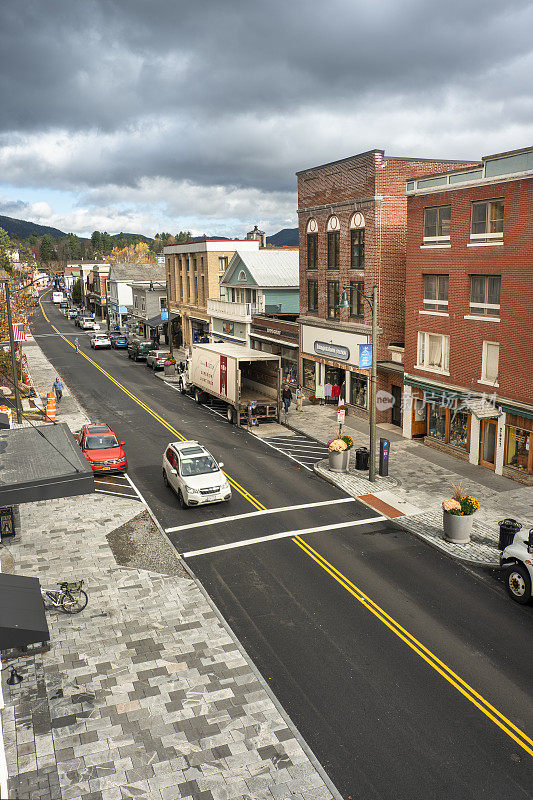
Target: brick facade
x,y
373,185
509,255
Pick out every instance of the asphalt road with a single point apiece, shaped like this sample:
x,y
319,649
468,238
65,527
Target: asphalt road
x,y
408,674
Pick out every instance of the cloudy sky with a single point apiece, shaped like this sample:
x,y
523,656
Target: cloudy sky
x,y
150,115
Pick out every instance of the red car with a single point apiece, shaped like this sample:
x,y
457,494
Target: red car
x,y
102,448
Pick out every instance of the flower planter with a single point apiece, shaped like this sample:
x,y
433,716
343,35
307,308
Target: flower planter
x,y
336,461
170,369
346,461
457,529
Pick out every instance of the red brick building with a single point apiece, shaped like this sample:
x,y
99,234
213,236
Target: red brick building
x,y
469,313
352,217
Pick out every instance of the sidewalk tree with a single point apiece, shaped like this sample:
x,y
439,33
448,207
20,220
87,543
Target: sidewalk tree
x,y
76,291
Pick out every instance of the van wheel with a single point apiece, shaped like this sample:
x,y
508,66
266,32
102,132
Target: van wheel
x,y
198,395
230,414
518,583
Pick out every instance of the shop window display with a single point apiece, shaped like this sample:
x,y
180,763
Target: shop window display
x,y
289,365
518,448
437,422
308,370
358,391
459,429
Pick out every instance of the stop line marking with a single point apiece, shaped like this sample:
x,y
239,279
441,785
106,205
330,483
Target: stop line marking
x,y
279,510
283,535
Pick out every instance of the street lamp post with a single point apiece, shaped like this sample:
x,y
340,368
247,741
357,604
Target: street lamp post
x,y
372,301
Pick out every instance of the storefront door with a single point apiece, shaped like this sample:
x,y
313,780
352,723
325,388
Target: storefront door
x,y
396,410
487,443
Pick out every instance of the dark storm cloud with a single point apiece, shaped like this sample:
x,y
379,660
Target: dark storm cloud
x,y
240,93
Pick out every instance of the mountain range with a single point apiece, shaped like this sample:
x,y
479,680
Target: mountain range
x,y
21,229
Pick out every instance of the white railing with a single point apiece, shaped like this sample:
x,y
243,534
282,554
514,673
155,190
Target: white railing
x,y
241,311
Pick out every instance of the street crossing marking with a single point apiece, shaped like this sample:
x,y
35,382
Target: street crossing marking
x,y
283,535
103,484
295,449
206,522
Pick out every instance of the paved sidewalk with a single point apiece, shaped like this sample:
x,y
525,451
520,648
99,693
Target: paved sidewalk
x,y
420,478
146,694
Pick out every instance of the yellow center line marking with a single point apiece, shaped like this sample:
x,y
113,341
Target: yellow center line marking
x,y
240,489
492,713
508,727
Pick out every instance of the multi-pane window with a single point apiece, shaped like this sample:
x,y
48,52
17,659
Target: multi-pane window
x,y
222,263
437,223
357,248
333,299
312,295
487,219
436,292
356,299
489,362
485,295
312,251
433,351
135,301
333,249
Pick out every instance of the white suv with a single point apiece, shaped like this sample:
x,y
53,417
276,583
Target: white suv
x,y
193,473
100,340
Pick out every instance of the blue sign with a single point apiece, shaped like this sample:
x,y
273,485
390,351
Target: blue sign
x,y
164,314
365,356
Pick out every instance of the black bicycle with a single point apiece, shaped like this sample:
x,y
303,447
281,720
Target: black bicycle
x,y
70,598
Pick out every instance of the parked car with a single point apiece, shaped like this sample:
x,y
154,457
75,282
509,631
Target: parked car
x,y
192,472
101,448
156,359
100,340
118,341
138,349
63,304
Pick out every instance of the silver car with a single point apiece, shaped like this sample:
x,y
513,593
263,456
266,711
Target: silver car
x,y
156,359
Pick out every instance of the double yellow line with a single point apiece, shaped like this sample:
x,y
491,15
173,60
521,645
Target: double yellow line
x,y
237,486
430,658
423,652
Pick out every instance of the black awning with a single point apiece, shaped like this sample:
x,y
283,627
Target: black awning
x,y
42,462
22,615
155,322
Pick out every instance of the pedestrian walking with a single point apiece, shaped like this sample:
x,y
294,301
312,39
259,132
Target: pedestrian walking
x,y
58,387
299,398
286,397
77,344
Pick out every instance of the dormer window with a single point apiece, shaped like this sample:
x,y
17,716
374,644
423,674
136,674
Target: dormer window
x,y
242,275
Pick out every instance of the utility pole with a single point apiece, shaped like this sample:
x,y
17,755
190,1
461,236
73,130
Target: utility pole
x,y
169,320
13,359
373,384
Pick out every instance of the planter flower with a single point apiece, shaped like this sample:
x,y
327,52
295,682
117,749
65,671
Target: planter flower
x,y
458,514
338,455
348,441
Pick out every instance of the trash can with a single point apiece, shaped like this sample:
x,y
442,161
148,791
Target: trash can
x,y
362,457
508,528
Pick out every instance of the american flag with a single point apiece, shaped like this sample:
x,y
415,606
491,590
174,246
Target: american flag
x,y
18,332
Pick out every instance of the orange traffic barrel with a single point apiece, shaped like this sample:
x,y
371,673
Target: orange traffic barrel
x,y
51,406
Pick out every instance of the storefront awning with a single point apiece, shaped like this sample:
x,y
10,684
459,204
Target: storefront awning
x,y
155,322
42,462
482,408
22,615
390,366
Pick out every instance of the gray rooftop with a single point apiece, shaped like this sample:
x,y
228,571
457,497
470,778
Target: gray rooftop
x,y
142,272
270,267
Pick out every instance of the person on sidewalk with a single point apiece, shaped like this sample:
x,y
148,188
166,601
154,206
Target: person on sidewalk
x,y
299,398
286,396
77,344
58,387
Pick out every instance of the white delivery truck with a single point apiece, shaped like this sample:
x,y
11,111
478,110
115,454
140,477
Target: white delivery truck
x,y
517,563
57,297
248,381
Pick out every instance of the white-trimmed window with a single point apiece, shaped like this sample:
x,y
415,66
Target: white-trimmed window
x,y
242,275
437,224
433,351
135,301
485,295
312,244
436,292
490,363
487,220
222,263
143,303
